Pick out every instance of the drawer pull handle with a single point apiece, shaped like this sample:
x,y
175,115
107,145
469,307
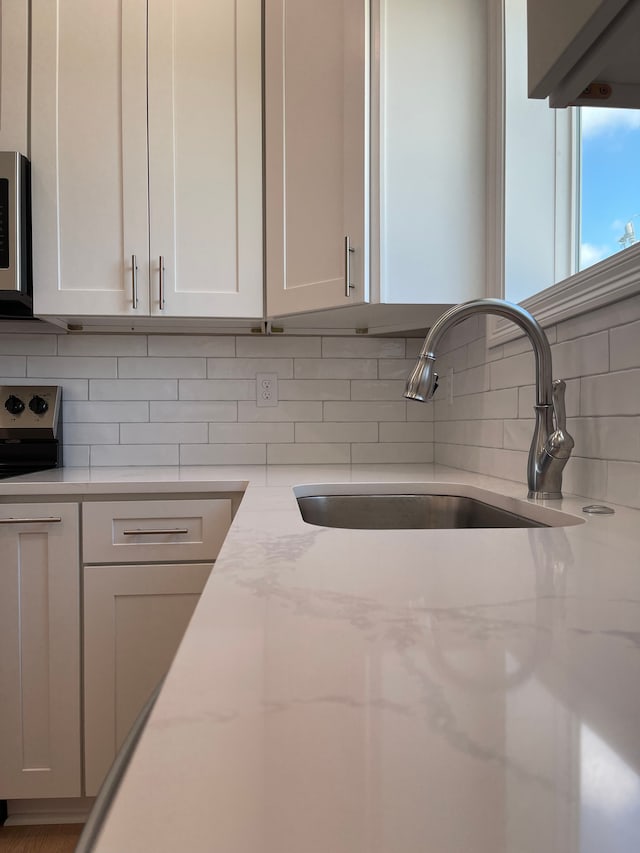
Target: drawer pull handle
x,y
51,520
166,530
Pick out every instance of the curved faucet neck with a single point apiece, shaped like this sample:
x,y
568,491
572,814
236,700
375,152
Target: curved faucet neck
x,y
533,330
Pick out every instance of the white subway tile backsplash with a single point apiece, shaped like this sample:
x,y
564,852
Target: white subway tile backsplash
x,y
308,454
246,368
285,411
382,389
623,484
95,411
73,367
336,368
585,477
192,345
581,357
274,347
323,433
606,438
75,456
17,344
313,389
478,353
134,454
162,368
485,433
362,347
217,389
135,345
513,371
223,454
395,368
184,411
190,399
357,411
611,394
518,433
270,433
625,346
490,404
399,432
420,412
90,434
13,366
384,453
133,389
164,433
470,381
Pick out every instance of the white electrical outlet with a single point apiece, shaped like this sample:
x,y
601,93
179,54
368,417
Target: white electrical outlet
x,y
266,389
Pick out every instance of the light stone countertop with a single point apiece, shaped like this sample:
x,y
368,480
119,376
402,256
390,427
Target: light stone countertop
x,y
414,691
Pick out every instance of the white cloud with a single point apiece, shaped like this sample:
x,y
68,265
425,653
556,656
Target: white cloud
x,y
590,254
599,120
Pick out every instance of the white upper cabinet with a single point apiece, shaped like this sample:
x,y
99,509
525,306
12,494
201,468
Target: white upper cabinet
x,y
89,157
376,123
431,133
114,195
205,157
575,43
316,80
14,75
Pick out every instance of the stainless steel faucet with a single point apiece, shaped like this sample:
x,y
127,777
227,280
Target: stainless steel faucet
x,y
551,444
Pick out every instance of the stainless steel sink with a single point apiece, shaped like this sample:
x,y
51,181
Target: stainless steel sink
x,y
406,511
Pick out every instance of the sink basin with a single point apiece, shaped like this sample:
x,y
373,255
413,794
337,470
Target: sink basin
x,y
420,506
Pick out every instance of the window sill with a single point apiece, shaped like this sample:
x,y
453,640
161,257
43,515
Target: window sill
x,y
611,280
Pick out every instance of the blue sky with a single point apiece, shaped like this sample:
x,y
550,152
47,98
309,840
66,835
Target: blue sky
x,y
610,180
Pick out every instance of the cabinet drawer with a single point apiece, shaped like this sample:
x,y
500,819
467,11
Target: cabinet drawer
x,y
152,531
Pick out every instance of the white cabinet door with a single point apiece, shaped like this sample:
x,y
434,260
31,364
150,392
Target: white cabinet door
x,y
134,619
89,156
205,158
40,659
316,115
103,174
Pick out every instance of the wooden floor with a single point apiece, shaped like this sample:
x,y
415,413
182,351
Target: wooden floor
x,y
61,838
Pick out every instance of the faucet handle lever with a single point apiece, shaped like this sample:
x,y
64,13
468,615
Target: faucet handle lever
x,y
559,387
559,444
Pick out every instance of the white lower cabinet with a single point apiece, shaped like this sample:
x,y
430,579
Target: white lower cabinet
x,y
136,612
40,657
134,619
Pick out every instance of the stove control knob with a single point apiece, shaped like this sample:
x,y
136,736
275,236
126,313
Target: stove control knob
x,y
38,406
14,405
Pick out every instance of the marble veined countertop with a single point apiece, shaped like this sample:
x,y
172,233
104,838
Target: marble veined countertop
x,y
414,691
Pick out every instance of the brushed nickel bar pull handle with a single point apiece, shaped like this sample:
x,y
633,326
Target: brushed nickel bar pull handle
x,y
161,282
348,251
134,281
166,530
52,520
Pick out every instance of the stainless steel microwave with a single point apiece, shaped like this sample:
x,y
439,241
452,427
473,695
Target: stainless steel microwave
x,y
15,236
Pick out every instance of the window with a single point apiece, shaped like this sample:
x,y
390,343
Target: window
x,y
567,192
610,182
